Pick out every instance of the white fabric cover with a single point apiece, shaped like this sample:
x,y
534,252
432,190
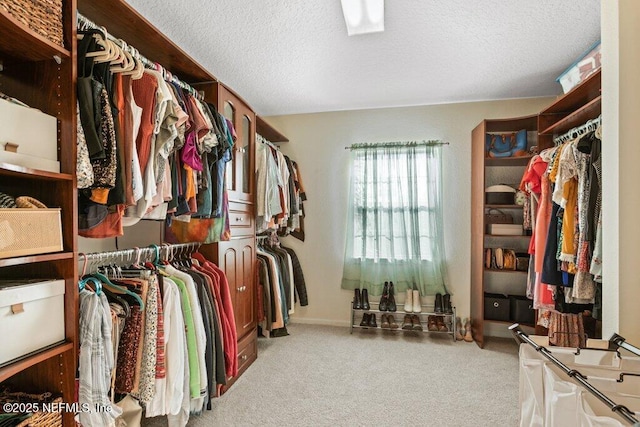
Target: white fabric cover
x,y
548,397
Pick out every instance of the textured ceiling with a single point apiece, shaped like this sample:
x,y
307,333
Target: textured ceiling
x,y
294,56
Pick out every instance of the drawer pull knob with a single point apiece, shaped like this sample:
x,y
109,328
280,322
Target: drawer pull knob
x,y
244,357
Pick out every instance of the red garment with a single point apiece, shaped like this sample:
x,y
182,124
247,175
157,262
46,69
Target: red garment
x,y
224,296
144,92
223,320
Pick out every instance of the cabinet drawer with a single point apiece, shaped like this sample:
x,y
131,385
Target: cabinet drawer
x,y
241,207
240,219
247,351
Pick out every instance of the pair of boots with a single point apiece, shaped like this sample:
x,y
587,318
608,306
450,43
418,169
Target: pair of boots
x,y
387,321
361,300
463,331
443,304
411,322
436,324
388,301
412,302
369,320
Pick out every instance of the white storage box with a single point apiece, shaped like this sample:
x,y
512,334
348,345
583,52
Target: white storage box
x,y
29,232
578,72
505,229
31,317
28,137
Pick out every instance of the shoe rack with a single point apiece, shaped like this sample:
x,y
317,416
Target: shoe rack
x,y
426,312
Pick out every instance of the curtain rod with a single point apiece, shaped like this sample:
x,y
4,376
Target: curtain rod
x,y
395,144
87,23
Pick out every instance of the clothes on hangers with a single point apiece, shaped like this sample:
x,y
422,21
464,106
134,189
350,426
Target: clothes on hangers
x,y
280,284
564,183
156,150
279,191
168,339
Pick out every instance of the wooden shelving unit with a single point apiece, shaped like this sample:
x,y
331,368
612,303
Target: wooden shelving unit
x,y
42,75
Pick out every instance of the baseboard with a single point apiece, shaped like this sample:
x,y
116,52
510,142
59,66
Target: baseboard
x,y
323,322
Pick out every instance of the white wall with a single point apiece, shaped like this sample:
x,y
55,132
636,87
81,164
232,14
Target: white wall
x,y
317,144
621,174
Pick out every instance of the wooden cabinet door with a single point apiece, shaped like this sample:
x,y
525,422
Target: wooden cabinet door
x,y
237,259
239,172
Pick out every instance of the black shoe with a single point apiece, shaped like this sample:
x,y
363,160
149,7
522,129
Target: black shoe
x,y
357,301
372,320
446,302
384,302
391,300
365,300
438,304
365,320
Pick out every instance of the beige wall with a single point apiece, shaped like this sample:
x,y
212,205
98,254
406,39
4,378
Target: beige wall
x,y
317,144
621,171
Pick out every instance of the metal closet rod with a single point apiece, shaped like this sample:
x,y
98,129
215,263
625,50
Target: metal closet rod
x,y
87,23
520,336
395,144
579,130
145,254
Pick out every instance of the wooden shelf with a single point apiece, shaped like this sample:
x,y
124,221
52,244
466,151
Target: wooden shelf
x,y
21,365
124,22
507,161
494,206
30,259
7,169
497,270
269,132
588,111
21,42
510,322
506,235
577,97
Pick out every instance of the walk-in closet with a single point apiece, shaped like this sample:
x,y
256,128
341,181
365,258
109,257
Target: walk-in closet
x,y
354,212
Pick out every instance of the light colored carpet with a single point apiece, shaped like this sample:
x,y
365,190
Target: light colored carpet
x,y
323,376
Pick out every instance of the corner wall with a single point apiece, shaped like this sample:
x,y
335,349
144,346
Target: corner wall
x,y
317,144
621,171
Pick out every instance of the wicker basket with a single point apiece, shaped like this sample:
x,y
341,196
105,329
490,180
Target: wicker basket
x,y
44,17
38,419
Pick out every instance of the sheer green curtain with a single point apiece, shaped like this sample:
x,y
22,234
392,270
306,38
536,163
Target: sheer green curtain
x,y
394,229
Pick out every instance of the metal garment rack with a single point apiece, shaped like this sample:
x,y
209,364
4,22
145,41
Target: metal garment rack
x,y
521,337
165,252
590,125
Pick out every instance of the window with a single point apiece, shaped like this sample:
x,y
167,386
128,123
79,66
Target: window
x,y
394,229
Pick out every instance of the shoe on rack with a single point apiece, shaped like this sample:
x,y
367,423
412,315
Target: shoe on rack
x,y
468,335
365,320
408,301
446,302
407,324
438,304
372,320
365,300
417,307
384,299
416,325
432,324
357,300
459,329
384,321
442,327
391,300
392,321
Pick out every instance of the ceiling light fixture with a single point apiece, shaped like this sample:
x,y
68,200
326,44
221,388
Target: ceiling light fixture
x,y
363,16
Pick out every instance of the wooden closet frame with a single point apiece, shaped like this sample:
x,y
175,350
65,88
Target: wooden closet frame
x,y
43,75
